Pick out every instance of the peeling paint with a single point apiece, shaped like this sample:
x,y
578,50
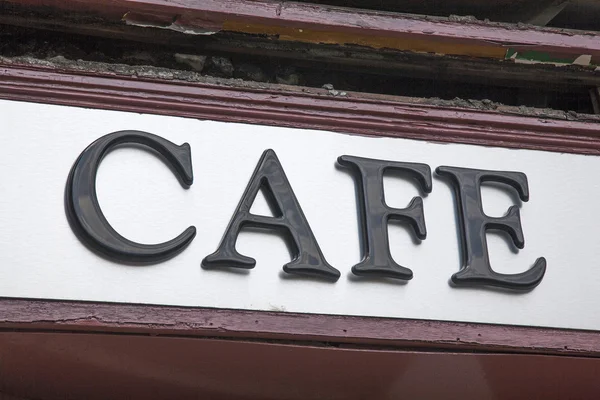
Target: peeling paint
x,y
309,23
175,25
538,57
491,50
62,64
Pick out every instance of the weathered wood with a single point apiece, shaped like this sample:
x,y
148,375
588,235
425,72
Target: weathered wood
x,y
62,316
325,24
388,62
159,92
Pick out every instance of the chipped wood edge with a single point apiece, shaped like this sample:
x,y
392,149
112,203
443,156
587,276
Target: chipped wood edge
x,y
95,317
156,91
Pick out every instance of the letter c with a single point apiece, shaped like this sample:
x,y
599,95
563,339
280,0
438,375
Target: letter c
x,y
84,213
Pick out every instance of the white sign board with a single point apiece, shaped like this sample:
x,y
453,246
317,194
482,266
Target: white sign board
x,y
41,257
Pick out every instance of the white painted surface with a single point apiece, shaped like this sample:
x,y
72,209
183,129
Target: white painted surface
x,y
41,258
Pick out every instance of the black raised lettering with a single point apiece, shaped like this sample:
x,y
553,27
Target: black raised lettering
x,y
289,219
375,213
86,217
474,224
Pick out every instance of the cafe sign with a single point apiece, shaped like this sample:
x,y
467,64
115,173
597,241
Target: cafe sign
x,y
121,207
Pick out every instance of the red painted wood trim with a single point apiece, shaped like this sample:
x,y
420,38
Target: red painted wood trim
x,y
45,315
212,14
292,107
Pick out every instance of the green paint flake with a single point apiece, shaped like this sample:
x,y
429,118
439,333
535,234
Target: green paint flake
x,y
533,56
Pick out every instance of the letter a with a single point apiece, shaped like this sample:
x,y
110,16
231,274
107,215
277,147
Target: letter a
x,y
289,219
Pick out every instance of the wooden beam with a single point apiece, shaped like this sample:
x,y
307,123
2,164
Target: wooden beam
x,y
505,73
93,317
311,23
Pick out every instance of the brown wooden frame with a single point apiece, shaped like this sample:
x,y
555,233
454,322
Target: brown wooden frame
x,y
301,108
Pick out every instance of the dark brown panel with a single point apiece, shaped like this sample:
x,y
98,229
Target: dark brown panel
x,y
75,366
